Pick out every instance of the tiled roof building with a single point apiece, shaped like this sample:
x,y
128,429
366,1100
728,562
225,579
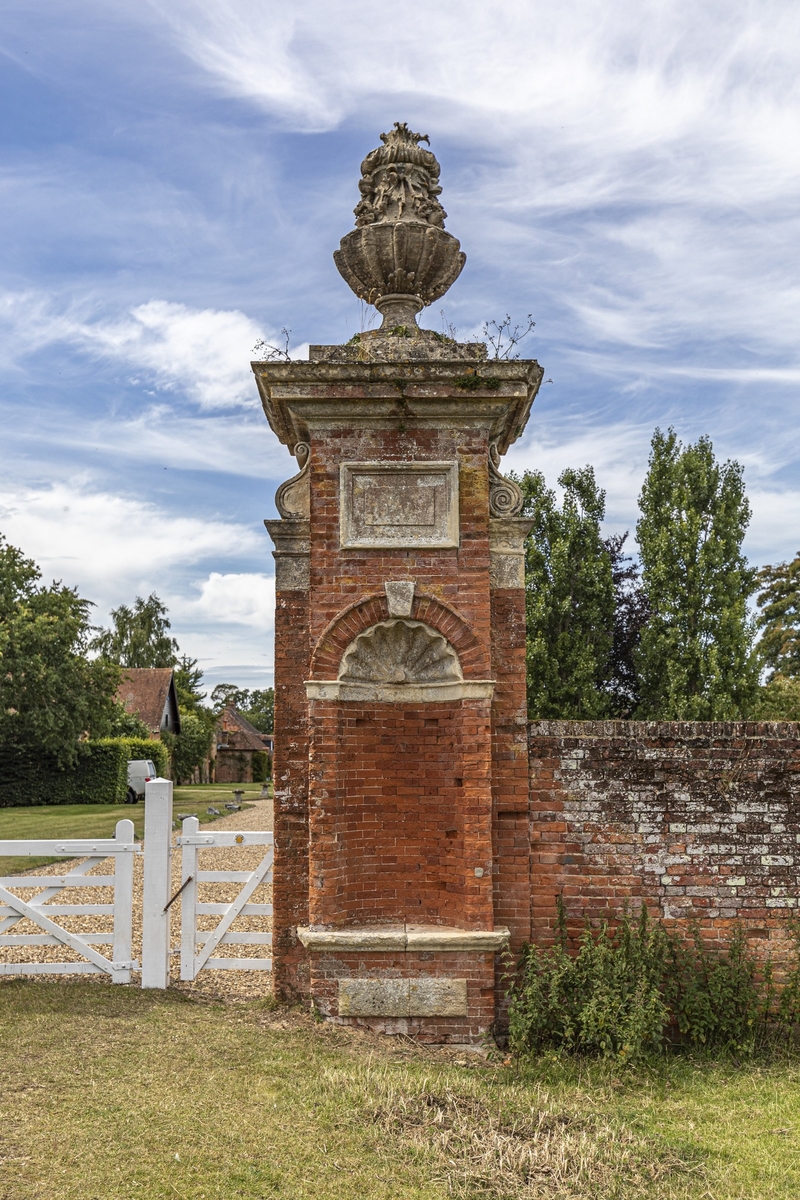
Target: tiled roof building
x,y
149,693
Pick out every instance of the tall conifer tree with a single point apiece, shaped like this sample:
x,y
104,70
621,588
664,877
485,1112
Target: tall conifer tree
x,y
570,598
695,658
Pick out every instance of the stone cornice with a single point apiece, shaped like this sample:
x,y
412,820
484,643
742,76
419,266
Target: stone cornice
x,y
299,397
390,938
400,693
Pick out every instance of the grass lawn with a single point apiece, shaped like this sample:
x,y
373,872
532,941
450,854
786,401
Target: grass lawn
x,y
110,1092
99,820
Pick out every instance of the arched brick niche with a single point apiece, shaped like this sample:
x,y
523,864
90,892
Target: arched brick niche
x,y
373,610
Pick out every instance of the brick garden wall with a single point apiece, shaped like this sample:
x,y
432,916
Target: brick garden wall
x,y
700,821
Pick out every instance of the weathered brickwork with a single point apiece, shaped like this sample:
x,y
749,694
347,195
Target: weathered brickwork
x,y
510,785
400,803
458,577
700,821
290,775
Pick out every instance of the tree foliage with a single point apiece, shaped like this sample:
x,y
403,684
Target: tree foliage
x,y
139,636
258,705
779,619
51,695
695,660
569,598
631,613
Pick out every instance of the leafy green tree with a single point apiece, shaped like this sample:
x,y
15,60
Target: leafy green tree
x,y
139,636
778,700
228,693
257,706
631,614
570,598
127,725
50,693
695,659
260,711
192,745
779,619
189,685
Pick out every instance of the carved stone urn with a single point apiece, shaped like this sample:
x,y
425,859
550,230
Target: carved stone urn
x,y
399,257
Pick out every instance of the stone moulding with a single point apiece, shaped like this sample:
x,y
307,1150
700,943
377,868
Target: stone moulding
x,y
299,397
400,693
505,495
292,554
507,551
395,504
399,596
404,937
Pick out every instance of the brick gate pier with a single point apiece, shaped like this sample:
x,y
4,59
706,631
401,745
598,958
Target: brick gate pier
x,y
401,759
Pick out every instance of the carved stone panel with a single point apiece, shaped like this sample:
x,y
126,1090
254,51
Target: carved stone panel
x,y
410,505
422,997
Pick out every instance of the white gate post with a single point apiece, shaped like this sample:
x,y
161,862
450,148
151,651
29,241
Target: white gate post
x,y
123,902
191,827
157,883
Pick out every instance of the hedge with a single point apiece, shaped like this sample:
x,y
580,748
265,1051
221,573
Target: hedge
x,y
99,775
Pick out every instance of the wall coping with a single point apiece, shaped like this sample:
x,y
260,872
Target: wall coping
x,y
662,729
404,937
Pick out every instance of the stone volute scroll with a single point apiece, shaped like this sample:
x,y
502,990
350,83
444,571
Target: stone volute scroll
x,y
293,498
505,496
399,257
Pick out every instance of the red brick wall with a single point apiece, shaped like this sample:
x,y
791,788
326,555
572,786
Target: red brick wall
x,y
699,821
290,776
510,784
400,803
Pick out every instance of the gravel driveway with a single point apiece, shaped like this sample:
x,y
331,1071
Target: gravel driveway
x,y
245,984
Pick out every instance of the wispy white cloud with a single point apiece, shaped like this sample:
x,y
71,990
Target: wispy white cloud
x,y
112,546
244,599
202,353
697,85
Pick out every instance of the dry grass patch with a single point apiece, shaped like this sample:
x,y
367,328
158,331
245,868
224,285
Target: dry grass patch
x,y
504,1149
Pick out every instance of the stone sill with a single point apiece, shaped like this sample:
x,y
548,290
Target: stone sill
x,y
399,693
404,937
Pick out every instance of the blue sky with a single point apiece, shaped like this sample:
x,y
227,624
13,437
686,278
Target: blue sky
x,y
176,175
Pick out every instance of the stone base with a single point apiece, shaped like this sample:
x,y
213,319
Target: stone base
x,y
437,996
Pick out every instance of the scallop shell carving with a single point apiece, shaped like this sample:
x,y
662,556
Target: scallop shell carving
x,y
400,652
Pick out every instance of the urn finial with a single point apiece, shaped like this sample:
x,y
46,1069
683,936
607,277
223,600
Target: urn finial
x,y
399,257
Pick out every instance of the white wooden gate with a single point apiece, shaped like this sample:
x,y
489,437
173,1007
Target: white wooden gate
x,y
41,910
192,841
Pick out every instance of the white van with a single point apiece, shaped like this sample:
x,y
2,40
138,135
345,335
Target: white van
x,y
140,772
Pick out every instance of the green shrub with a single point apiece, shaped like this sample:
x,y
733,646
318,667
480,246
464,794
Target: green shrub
x,y
606,1000
156,751
260,765
622,996
99,775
